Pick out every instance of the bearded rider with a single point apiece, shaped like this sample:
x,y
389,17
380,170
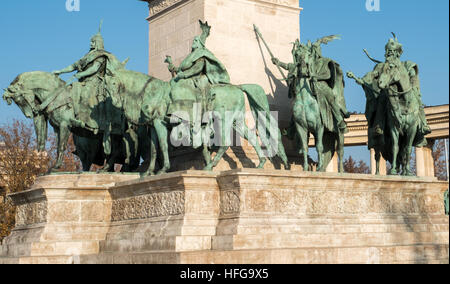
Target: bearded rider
x,y
325,75
376,110
92,89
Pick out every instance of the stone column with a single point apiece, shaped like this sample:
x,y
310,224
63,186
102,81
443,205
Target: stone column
x,y
373,165
173,24
333,166
424,160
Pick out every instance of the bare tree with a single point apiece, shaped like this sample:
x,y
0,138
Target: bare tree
x,y
440,168
351,166
21,163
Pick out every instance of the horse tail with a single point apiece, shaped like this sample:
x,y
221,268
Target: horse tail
x,y
259,104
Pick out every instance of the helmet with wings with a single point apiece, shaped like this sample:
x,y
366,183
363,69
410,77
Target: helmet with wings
x,y
316,46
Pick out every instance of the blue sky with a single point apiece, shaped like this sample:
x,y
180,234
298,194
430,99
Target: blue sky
x,y
43,35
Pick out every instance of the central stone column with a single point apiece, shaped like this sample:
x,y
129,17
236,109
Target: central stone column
x,y
173,24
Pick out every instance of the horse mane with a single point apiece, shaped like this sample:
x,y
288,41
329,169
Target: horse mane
x,y
34,79
17,79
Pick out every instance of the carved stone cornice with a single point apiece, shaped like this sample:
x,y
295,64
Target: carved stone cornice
x,y
158,6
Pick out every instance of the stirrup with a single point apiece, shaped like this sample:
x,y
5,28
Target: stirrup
x,y
379,131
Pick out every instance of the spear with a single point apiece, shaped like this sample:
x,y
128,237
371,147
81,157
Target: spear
x,y
259,35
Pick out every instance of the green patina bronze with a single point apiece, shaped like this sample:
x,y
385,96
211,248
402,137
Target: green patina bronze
x,y
92,108
317,86
394,109
201,78
122,115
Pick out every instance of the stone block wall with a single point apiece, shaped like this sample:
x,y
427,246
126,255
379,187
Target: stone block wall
x,y
239,216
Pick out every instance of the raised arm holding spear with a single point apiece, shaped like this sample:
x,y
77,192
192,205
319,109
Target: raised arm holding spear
x,y
259,35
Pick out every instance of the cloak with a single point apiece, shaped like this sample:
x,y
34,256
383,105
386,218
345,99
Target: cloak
x,y
112,64
215,70
376,97
333,88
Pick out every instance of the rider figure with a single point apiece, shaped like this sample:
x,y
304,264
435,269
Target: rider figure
x,y
201,67
319,70
91,91
323,68
393,52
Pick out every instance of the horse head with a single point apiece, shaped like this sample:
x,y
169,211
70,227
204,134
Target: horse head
x,y
394,77
7,96
22,96
386,78
26,90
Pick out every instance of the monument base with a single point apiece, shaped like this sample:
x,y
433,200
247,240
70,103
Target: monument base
x,y
238,216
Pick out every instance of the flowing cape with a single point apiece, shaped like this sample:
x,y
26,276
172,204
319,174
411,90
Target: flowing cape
x,y
335,85
215,70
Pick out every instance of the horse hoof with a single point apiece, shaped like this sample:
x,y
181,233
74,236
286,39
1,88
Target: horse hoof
x,y
147,174
162,171
393,173
408,174
208,168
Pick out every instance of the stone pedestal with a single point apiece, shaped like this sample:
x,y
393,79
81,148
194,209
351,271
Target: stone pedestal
x,y
60,218
239,216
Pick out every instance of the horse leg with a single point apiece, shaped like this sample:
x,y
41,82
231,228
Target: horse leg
x,y
303,137
217,158
132,141
126,167
153,153
87,164
340,151
226,124
282,152
395,150
319,146
109,167
377,161
62,138
408,150
243,130
206,153
113,157
162,134
40,127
